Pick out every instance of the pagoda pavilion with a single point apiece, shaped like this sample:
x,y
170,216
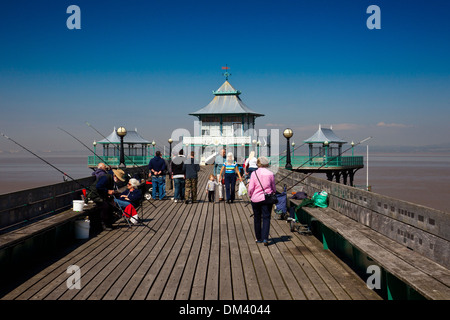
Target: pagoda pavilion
x,y
226,122
136,150
325,155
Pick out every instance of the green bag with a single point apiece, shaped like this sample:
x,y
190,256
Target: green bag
x,y
320,199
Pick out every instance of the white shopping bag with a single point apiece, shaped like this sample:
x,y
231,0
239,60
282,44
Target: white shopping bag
x,y
242,189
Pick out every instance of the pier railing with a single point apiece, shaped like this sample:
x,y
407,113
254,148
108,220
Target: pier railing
x,y
114,161
418,228
33,204
316,162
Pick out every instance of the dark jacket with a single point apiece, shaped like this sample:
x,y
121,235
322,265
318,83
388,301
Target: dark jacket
x,y
157,164
177,165
98,191
191,168
134,196
98,173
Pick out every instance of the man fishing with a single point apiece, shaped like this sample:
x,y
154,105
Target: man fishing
x,y
102,193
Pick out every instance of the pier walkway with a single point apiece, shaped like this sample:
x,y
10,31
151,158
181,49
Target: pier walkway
x,y
200,251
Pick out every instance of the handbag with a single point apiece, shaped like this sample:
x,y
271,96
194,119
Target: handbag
x,y
269,198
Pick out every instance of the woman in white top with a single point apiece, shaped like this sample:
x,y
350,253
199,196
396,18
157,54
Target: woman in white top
x,y
250,164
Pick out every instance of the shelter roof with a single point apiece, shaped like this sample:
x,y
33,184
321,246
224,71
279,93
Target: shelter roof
x,y
226,101
130,138
323,135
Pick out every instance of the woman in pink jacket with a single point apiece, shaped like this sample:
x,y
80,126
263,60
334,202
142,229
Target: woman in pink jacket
x,y
261,178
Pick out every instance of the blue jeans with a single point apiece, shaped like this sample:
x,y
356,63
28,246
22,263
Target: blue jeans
x,y
122,203
230,185
179,184
261,211
159,184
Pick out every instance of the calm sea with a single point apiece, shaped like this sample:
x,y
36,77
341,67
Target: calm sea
x,y
419,178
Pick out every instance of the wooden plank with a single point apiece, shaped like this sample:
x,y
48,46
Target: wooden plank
x,y
186,281
103,269
225,281
418,280
198,251
347,279
263,275
147,256
132,262
433,269
101,263
249,272
154,262
274,273
169,269
237,274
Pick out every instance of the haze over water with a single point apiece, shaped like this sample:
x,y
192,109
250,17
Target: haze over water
x,y
418,178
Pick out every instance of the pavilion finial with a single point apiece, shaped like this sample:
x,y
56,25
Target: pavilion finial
x,y
226,74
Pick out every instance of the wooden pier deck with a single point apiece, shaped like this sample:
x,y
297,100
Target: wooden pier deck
x,y
200,251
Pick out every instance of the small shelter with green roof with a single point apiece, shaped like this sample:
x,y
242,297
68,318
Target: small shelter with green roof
x,y
136,149
326,155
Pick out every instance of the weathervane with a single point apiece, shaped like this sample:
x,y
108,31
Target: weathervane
x,y
226,74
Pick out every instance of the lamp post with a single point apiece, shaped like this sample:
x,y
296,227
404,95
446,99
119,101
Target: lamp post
x,y
353,145
122,132
288,133
153,144
258,144
293,151
325,144
170,149
95,152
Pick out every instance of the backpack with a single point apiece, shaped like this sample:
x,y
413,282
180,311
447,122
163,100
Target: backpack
x,y
92,192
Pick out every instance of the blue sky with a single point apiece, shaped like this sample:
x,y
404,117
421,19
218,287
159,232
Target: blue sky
x,y
147,64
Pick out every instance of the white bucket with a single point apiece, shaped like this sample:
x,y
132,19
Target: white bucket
x,y
78,205
82,229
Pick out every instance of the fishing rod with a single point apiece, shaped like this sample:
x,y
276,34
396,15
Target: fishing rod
x,y
34,154
103,160
117,147
309,159
309,174
140,168
293,150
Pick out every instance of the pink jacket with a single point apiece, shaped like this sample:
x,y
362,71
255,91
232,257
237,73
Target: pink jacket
x,y
267,179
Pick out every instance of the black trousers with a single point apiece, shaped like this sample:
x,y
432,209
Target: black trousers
x,y
211,196
261,219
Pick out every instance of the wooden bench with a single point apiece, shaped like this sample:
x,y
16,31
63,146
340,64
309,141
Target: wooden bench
x,y
428,278
22,245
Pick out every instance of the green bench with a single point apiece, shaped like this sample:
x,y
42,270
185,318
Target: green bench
x,y
363,246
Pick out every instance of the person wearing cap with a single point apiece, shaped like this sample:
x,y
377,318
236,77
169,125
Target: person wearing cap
x,y
131,196
262,181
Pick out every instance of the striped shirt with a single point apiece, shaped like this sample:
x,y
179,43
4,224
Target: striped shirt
x,y
230,168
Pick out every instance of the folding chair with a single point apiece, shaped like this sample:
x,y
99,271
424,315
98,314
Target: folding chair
x,y
131,213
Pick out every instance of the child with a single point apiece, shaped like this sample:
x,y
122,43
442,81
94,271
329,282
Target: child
x,y
210,187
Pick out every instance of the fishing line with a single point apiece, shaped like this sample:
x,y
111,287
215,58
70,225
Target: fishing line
x,y
139,167
103,160
65,174
333,158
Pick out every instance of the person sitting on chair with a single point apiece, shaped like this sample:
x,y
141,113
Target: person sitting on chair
x,y
131,196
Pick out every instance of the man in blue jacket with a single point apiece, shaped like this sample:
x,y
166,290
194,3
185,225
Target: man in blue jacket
x,y
157,170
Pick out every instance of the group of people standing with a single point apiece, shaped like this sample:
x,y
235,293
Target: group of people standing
x,y
184,172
